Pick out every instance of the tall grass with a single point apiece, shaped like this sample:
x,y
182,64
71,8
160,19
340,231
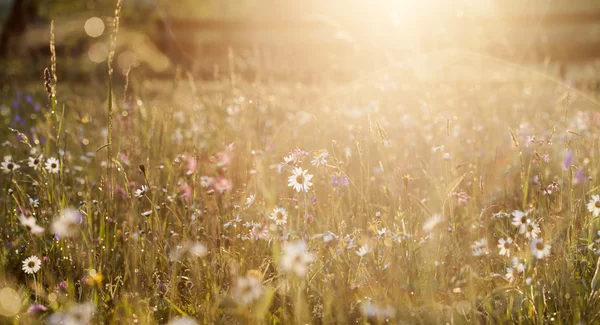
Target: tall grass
x,y
418,191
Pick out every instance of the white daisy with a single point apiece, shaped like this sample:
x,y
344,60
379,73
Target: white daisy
x,y
480,247
52,165
520,220
32,264
432,222
363,250
34,202
539,249
532,229
250,199
182,321
594,205
300,181
320,159
9,166
78,314
247,289
279,216
141,191
518,264
296,258
189,249
505,245
290,160
35,162
66,223
510,274
31,224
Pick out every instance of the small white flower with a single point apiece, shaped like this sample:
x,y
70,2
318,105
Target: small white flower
x,y
67,223
52,165
594,205
8,166
364,250
250,200
31,224
432,222
520,220
141,191
146,213
518,265
532,229
320,159
34,202
539,249
247,289
189,249
296,258
300,181
505,245
32,264
182,321
510,274
35,162
290,160
279,216
370,311
75,315
480,247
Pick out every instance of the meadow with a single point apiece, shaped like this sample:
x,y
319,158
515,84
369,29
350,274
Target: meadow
x,y
386,199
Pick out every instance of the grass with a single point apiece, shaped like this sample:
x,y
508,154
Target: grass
x,y
162,206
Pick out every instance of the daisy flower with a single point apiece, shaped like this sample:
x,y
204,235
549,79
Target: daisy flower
x,y
8,166
539,249
296,258
34,202
78,314
300,181
432,222
182,320
364,250
31,224
320,159
52,165
141,191
66,224
289,160
510,274
250,199
279,216
504,245
480,247
32,264
247,289
35,162
189,249
518,264
594,205
532,230
520,220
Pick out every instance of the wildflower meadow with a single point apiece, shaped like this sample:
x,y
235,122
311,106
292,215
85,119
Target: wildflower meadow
x,y
382,199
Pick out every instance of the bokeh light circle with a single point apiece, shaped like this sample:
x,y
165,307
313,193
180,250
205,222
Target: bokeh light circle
x,y
94,27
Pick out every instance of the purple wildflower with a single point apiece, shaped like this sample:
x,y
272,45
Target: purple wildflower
x,y
568,161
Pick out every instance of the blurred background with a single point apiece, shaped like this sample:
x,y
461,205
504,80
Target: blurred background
x,y
306,39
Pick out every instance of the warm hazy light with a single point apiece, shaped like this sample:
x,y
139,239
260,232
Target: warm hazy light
x,y
98,52
94,27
